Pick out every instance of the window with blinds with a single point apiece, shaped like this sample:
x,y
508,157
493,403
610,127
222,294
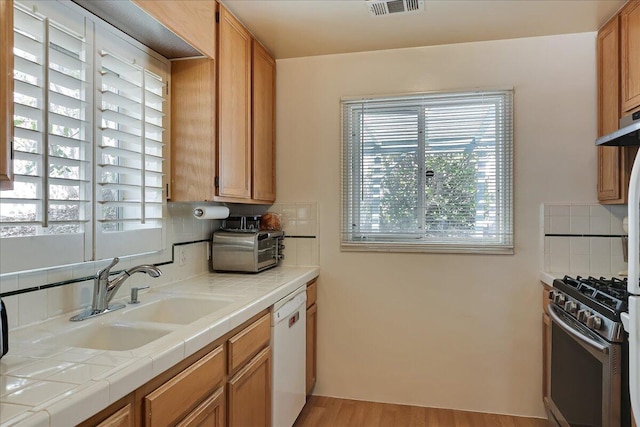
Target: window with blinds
x,y
89,112
429,172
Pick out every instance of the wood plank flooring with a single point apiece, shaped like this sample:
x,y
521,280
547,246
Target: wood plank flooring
x,y
330,412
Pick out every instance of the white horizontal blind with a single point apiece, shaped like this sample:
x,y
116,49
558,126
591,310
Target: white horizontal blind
x,y
428,173
130,138
52,120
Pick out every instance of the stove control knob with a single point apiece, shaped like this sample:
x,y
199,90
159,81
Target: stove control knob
x,y
583,315
594,322
552,295
559,299
570,307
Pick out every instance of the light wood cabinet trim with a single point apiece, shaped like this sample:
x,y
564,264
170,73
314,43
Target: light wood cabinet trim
x,y
122,418
192,20
546,356
174,399
251,388
312,293
246,344
264,126
630,55
234,109
193,145
210,413
6,94
311,350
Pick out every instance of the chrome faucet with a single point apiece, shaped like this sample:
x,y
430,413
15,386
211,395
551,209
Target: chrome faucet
x,y
104,289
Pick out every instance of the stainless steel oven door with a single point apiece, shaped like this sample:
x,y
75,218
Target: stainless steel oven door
x,y
585,375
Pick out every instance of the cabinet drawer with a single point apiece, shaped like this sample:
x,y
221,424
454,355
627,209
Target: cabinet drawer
x,y
312,293
246,344
173,400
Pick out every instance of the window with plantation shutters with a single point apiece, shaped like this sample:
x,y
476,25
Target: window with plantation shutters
x,y
130,104
428,172
52,144
89,113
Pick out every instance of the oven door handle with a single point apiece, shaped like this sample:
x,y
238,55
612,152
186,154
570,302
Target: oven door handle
x,y
567,328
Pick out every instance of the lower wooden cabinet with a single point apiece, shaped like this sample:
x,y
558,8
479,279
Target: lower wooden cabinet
x,y
211,413
174,400
312,336
250,393
546,345
122,418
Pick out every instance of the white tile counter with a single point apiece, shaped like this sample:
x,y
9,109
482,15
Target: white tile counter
x,y
54,385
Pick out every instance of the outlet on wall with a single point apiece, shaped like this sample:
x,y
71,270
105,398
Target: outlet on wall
x,y
182,256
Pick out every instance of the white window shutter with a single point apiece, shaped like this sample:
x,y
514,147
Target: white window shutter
x,y
52,119
130,138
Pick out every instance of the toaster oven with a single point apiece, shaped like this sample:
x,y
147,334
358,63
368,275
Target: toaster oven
x,y
248,251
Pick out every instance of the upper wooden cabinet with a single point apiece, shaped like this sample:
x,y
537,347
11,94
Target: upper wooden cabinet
x,y
234,109
193,128
614,78
192,20
263,117
246,115
630,56
611,183
6,94
223,121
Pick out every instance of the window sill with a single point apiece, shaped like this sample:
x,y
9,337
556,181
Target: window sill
x,y
421,248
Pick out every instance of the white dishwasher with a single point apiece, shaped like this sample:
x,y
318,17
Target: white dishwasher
x,y
288,338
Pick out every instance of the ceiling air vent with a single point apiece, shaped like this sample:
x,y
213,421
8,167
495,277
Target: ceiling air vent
x,y
388,7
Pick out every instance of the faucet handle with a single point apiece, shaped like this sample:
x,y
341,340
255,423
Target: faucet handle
x,y
104,273
134,294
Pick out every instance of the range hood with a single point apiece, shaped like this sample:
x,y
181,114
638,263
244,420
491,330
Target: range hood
x,y
628,134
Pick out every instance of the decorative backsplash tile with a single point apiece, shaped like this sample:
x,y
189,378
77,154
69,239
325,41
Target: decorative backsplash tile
x,y
300,224
583,238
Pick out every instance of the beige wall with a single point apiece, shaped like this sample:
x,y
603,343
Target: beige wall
x,y
450,331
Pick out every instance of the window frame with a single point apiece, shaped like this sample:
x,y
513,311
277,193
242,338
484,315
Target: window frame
x,y
352,179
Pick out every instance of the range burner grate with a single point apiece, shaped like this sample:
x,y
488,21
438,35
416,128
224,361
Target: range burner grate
x,y
610,294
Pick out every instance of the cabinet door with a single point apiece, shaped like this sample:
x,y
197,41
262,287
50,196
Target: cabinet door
x,y
122,418
234,109
250,393
263,116
209,414
174,399
193,138
630,55
312,339
611,185
6,94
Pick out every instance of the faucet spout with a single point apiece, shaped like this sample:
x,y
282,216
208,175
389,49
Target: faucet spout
x,y
104,289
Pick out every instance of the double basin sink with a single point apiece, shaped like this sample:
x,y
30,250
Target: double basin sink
x,y
131,327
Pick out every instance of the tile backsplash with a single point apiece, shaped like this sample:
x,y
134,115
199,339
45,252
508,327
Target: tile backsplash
x,y
583,238
299,220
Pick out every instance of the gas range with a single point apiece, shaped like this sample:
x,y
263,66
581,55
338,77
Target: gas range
x,y
596,303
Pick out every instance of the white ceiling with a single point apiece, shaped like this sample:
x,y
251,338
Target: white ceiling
x,y
295,28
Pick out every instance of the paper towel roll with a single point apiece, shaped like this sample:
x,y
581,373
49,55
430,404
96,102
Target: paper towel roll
x,y
211,212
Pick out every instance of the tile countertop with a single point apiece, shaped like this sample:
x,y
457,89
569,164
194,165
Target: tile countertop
x,y
52,385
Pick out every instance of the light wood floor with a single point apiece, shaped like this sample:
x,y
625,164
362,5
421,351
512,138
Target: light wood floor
x,y
330,412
